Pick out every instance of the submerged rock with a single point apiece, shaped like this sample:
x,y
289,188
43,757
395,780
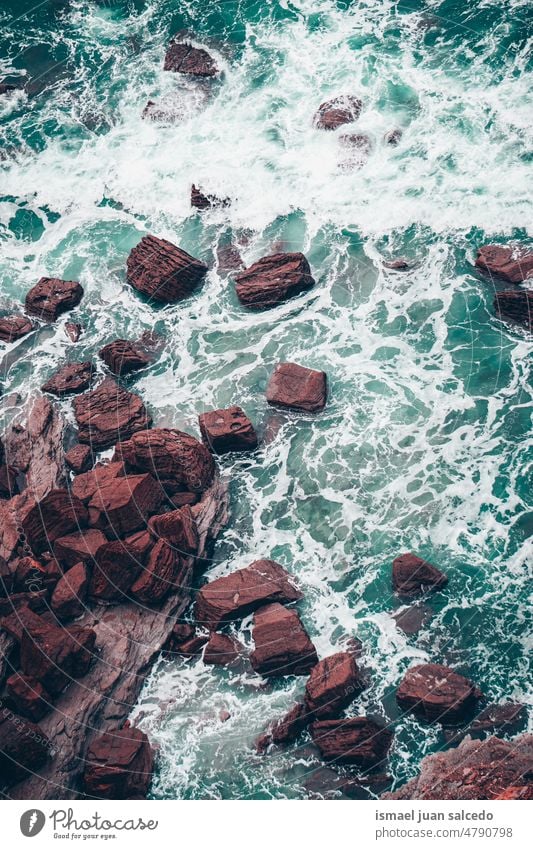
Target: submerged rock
x,y
359,741
394,137
284,730
228,258
123,357
109,413
162,271
273,279
73,330
201,201
513,264
51,297
119,765
297,388
14,327
70,378
436,693
412,576
282,645
341,110
175,459
333,683
515,305
227,430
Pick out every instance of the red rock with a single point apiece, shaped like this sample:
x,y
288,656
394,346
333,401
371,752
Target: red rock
x,y
412,619
511,263
28,696
124,505
68,598
507,717
13,327
359,741
437,694
57,514
162,271
123,357
175,459
87,484
284,730
282,646
228,258
334,113
239,594
109,413
73,330
177,528
24,748
515,305
183,499
227,430
79,458
181,632
183,58
51,297
297,388
273,279
19,617
523,792
119,765
201,201
117,566
55,655
165,571
31,576
192,647
224,715
73,377
8,481
223,650
399,264
333,683
412,576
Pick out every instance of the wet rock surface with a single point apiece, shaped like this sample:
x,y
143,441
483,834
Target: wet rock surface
x,y
175,459
162,271
297,388
223,650
123,357
13,327
359,741
436,693
272,280
70,378
282,645
181,57
333,683
511,263
339,111
285,730
51,297
412,576
109,413
119,765
227,430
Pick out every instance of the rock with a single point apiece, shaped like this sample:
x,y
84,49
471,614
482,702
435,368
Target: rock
x,y
79,458
333,683
282,646
117,566
123,357
55,655
237,595
437,694
56,515
87,484
224,715
183,58
23,748
284,730
522,792
175,459
228,258
334,113
227,430
109,413
28,696
297,388
394,137
511,263
74,377
162,271
191,648
272,280
32,576
20,617
181,632
473,770
399,264
119,765
68,598
515,305
73,330
222,650
412,619
357,147
359,741
124,505
14,327
7,88
164,572
178,528
51,297
182,499
201,201
8,482
412,576
508,718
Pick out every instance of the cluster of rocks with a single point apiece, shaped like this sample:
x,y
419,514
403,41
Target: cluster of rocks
x,y
514,264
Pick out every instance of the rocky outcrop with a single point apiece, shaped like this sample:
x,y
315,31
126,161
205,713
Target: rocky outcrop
x,y
282,645
164,571
412,576
272,280
223,650
119,765
14,327
284,730
437,694
79,458
77,547
227,430
162,271
511,263
68,598
28,696
56,515
51,297
335,113
109,413
239,594
297,388
333,683
177,528
54,656
183,58
515,305
486,769
359,741
123,505
71,378
123,357
24,748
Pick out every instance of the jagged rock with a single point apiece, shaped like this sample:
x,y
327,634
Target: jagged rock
x,y
525,791
182,499
181,632
73,330
68,598
165,571
359,741
473,770
87,484
227,430
190,648
511,263
412,576
412,619
51,297
175,459
399,264
437,694
32,576
516,305
14,327
297,388
109,413
8,482
123,357
117,566
56,515
282,646
201,201
71,378
334,113
24,748
333,683
223,650
239,594
183,58
394,137
284,730
272,280
162,271
79,458
177,528
54,656
119,765
124,505
28,696
228,258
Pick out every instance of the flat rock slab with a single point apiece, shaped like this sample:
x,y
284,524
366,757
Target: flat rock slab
x,y
109,413
123,357
175,459
14,327
333,683
70,378
79,546
79,459
336,112
412,576
297,388
227,430
515,305
68,598
51,297
273,280
181,57
162,271
513,264
282,645
436,693
119,765
359,741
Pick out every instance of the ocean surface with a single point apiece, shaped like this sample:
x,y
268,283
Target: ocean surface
x,y
425,444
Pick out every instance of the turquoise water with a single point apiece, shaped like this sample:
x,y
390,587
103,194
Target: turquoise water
x,y
425,444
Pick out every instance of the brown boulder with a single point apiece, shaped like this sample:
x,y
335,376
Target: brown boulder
x,y
79,458
87,484
201,201
162,271
73,330
284,730
239,594
124,505
68,598
117,566
334,113
297,388
178,528
513,264
164,571
71,378
183,58
515,305
222,650
24,748
28,696
55,655
412,576
13,327
51,297
437,694
282,646
227,430
272,280
119,765
123,357
333,683
359,741
191,647
19,617
109,413
56,515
